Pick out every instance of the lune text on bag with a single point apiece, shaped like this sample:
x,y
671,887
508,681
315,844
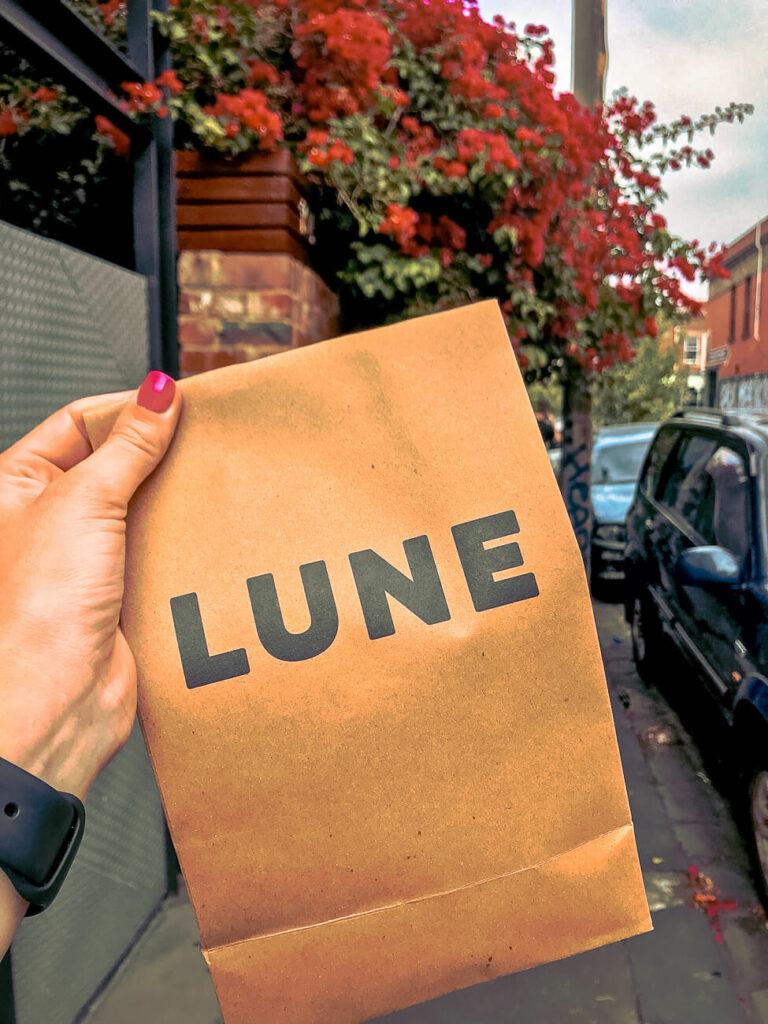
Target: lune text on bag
x,y
376,581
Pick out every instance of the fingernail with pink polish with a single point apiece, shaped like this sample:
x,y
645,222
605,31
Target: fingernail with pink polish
x,y
156,392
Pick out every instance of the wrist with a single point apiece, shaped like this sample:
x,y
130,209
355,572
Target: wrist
x,y
45,730
64,718
12,911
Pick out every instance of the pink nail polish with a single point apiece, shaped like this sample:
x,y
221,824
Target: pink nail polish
x,y
156,392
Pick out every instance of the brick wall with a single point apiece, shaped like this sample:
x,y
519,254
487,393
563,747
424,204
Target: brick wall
x,y
737,309
234,307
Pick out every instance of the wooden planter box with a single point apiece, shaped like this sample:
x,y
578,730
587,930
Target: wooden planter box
x,y
252,204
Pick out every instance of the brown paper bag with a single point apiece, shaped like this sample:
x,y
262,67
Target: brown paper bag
x,y
369,678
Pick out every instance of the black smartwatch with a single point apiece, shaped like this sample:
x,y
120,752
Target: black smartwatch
x,y
40,831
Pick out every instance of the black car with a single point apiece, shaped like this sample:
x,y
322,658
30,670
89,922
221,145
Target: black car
x,y
697,575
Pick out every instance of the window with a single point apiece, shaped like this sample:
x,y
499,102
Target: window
x,y
665,441
730,526
685,486
617,463
691,350
732,318
706,484
746,327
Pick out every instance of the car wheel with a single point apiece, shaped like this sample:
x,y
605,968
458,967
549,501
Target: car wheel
x,y
646,638
758,829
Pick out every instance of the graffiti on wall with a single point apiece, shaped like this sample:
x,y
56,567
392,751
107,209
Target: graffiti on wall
x,y
575,483
744,393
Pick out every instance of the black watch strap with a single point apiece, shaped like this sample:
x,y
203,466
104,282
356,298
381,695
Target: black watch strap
x,y
40,831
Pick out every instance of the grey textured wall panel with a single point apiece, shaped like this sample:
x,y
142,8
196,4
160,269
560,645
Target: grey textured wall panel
x,y
119,876
72,325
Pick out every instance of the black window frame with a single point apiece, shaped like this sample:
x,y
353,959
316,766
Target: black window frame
x,y
732,316
63,44
746,325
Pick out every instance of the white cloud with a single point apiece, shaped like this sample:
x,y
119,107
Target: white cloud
x,y
689,60
687,57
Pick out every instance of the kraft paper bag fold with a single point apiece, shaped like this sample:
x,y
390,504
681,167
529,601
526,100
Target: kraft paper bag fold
x,y
369,678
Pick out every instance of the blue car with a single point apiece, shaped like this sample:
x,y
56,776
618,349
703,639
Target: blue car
x,y
697,583
617,457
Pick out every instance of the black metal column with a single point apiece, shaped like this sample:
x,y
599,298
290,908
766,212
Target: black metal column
x,y
154,199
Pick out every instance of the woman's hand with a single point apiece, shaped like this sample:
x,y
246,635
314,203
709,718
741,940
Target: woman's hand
x,y
68,679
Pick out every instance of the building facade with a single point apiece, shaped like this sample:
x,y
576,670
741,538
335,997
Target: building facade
x,y
690,343
737,318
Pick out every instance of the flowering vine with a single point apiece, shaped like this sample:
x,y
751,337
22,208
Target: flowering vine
x,y
443,165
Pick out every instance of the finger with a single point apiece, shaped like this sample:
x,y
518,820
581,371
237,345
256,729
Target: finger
x,y
138,440
61,439
54,446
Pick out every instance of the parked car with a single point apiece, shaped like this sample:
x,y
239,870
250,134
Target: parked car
x,y
617,457
697,577
555,459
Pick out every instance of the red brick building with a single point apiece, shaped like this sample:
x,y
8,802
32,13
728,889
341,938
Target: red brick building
x,y
737,319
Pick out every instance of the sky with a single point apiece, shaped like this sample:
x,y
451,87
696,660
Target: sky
x,y
687,57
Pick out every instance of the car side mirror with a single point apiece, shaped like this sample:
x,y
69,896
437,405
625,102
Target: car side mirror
x,y
707,566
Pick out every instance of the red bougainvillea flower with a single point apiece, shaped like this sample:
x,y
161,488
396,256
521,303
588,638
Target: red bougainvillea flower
x,y
142,95
170,80
315,137
8,122
111,9
262,72
45,95
343,54
427,133
400,222
338,151
117,138
249,110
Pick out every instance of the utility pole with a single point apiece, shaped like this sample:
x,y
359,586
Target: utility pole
x,y
590,60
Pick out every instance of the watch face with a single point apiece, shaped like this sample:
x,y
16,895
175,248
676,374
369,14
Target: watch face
x,y
40,832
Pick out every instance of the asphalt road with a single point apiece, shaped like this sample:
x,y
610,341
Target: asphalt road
x,y
706,962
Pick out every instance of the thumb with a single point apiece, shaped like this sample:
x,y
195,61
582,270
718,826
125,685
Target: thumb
x,y
138,440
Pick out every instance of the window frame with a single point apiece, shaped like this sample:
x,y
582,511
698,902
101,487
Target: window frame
x,y
732,316
673,463
746,324
750,565
675,432
687,359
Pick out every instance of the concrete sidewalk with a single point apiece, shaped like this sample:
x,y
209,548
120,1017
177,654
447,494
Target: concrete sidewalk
x,y
694,968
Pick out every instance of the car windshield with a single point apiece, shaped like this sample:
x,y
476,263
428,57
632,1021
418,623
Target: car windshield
x,y
618,463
